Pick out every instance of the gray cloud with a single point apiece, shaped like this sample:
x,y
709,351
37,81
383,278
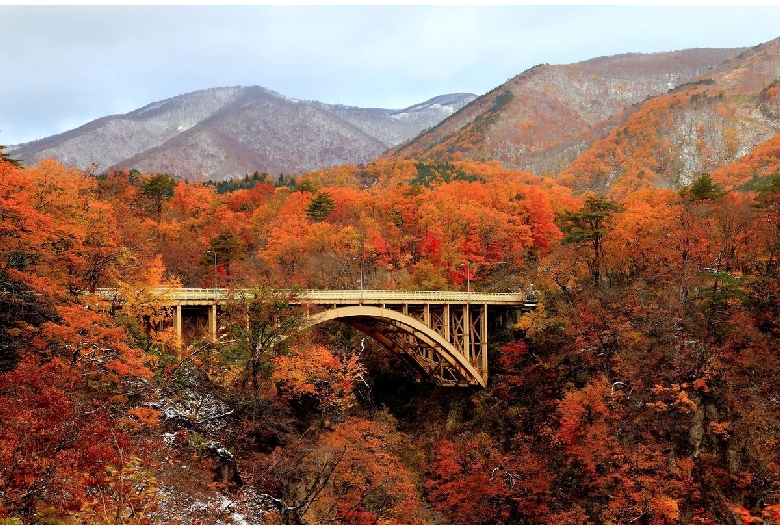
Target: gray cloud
x,y
64,66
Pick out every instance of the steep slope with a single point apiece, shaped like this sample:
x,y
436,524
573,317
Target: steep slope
x,y
406,123
226,132
761,161
109,140
543,118
701,125
260,131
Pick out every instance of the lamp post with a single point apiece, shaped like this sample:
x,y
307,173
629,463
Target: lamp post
x,y
361,278
361,274
468,280
215,272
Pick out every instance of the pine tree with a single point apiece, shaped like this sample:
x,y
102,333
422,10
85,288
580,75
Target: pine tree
x,y
320,207
587,228
5,158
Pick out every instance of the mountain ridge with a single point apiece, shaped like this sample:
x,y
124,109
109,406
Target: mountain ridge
x,y
660,118
555,104
189,136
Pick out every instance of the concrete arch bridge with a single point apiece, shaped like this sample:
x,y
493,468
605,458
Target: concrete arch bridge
x,y
443,333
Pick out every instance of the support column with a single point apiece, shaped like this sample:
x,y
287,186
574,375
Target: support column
x,y
447,324
177,324
467,334
213,322
484,344
427,315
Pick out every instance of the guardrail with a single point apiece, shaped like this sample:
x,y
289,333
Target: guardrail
x,y
337,296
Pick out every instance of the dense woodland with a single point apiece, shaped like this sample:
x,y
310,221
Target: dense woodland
x,y
641,390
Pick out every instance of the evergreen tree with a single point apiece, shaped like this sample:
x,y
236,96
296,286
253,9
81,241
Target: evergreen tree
x,y
320,207
587,228
5,158
702,189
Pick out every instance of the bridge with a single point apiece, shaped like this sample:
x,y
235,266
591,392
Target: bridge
x,y
443,333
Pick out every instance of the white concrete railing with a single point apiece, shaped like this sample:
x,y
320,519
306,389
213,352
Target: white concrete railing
x,y
350,296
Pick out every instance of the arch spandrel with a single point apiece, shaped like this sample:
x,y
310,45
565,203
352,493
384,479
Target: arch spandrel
x,y
361,317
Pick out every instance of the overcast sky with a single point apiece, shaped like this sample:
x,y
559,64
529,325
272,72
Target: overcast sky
x,y
64,66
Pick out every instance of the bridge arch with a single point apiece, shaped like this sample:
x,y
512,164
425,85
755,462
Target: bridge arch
x,y
428,350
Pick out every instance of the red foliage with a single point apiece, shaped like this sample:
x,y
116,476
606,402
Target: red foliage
x,y
53,449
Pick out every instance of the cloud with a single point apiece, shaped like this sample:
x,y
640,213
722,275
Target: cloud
x,y
64,66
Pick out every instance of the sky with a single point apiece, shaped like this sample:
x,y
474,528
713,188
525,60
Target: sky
x,y
63,66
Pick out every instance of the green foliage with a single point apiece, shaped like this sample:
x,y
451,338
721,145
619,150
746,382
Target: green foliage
x,y
260,321
431,174
196,441
320,206
692,84
159,186
304,186
771,184
588,227
589,223
502,100
226,246
5,158
155,191
725,290
285,181
766,182
134,177
702,189
246,183
485,120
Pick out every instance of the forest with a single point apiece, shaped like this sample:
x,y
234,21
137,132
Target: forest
x,y
640,390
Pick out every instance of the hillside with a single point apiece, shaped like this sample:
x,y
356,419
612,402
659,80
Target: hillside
x,y
698,127
229,132
640,390
540,120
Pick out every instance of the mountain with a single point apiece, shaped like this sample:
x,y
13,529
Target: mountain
x,y
229,132
610,124
712,121
542,119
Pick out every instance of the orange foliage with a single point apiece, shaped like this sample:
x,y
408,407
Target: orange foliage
x,y
318,373
146,415
370,484
763,160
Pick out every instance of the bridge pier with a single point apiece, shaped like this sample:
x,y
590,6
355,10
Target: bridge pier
x,y
213,322
467,329
178,325
193,322
483,345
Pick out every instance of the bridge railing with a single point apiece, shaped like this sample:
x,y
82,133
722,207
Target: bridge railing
x,y
337,296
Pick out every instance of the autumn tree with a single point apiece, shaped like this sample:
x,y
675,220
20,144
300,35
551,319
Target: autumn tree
x,y
320,206
155,190
4,157
588,227
318,378
260,320
223,249
370,484
767,203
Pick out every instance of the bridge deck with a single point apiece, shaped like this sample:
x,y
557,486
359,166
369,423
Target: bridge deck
x,y
199,296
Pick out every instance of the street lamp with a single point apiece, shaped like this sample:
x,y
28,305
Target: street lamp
x,y
215,272
468,280
361,274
